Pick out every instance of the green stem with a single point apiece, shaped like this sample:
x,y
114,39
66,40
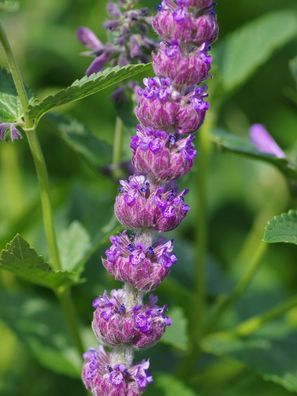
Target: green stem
x,y
40,165
117,147
253,324
202,231
226,301
71,318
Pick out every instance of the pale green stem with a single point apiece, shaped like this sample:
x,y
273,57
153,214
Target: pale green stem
x,y
65,299
117,147
253,324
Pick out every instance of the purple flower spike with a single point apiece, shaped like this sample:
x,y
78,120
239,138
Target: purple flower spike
x,y
264,142
103,378
142,205
114,323
143,267
181,67
11,129
163,157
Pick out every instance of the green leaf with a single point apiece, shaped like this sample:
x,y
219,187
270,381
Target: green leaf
x,y
282,228
293,68
274,359
94,150
21,259
10,105
242,146
74,246
40,326
252,45
172,386
85,87
9,5
176,334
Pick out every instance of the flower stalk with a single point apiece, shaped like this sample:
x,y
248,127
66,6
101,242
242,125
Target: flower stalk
x,y
170,108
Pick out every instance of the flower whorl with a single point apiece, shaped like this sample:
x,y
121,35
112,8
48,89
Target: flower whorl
x,y
170,109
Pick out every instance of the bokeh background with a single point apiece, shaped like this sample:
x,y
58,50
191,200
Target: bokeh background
x,y
242,195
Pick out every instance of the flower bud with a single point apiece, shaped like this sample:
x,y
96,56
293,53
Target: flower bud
x,y
114,323
182,67
161,156
143,205
143,267
102,378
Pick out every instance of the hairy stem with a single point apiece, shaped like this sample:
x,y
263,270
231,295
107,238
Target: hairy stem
x,y
41,170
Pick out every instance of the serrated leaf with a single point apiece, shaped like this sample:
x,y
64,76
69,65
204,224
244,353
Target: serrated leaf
x,y
282,228
10,105
273,359
21,259
176,334
172,386
85,87
74,245
239,145
94,150
252,45
40,326
9,5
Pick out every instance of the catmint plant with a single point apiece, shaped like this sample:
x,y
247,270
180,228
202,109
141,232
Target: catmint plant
x,y
170,108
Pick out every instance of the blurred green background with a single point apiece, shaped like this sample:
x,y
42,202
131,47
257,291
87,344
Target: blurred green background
x,y
241,193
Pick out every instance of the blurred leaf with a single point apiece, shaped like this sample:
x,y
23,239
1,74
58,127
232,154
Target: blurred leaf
x,y
19,258
293,67
176,334
172,386
252,45
85,87
124,105
282,228
239,145
74,245
40,326
10,105
271,358
9,5
94,150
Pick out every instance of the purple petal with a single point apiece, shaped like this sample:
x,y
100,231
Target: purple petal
x,y
14,133
97,64
89,39
264,142
3,129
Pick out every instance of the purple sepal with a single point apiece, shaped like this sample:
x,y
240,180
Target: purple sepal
x,y
114,323
9,129
102,378
264,142
161,156
161,107
141,204
143,267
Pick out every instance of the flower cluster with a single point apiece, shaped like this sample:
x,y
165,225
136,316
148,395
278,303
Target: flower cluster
x,y
130,43
171,107
9,130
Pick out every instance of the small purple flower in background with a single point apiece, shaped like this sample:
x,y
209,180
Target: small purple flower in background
x,y
264,142
130,42
9,130
170,109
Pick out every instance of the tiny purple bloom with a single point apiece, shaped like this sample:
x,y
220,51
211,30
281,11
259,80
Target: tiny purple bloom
x,y
89,39
144,267
163,157
140,325
102,378
143,205
7,128
264,142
